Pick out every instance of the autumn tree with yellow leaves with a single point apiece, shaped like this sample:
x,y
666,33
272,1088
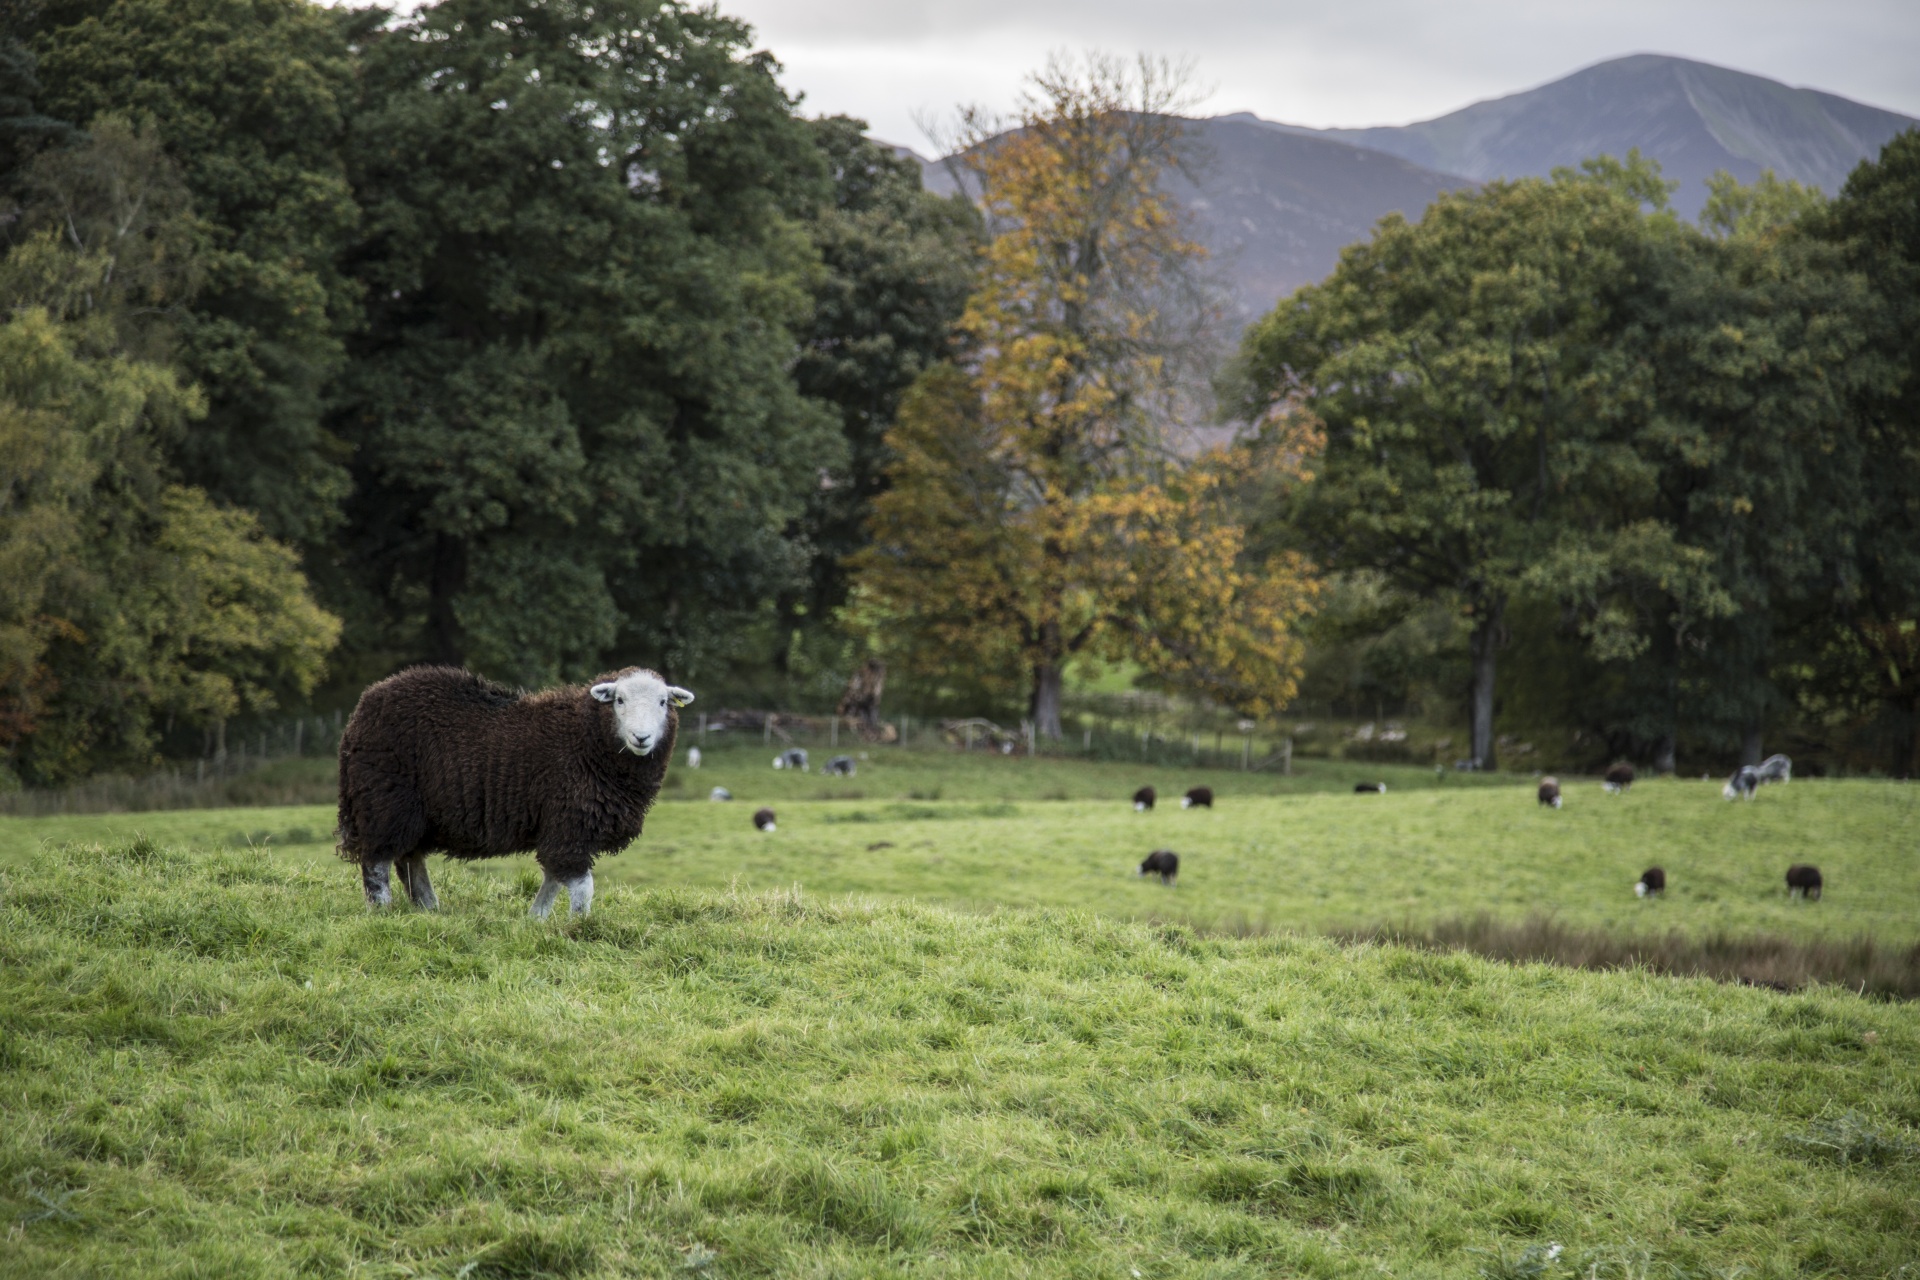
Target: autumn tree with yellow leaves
x,y
1040,506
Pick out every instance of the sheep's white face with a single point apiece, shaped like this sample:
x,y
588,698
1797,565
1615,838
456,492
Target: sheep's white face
x,y
640,703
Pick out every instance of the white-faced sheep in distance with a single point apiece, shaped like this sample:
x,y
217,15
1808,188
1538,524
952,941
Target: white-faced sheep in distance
x,y
1652,883
1143,799
839,767
1164,863
763,819
1197,798
439,759
1550,792
1617,779
1370,788
792,758
1803,881
693,757
719,793
1743,784
1774,769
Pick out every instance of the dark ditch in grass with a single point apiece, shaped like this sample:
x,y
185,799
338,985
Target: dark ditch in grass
x,y
1862,964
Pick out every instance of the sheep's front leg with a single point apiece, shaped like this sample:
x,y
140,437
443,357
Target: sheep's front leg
x,y
375,879
579,894
413,874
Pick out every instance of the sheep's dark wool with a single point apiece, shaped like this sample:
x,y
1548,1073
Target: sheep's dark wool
x,y
1143,799
1652,881
1370,788
1197,798
1618,778
763,819
1803,881
439,759
840,767
1550,792
1164,863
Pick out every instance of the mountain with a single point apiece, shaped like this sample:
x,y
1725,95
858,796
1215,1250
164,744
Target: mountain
x,y
1276,202
1275,207
1694,118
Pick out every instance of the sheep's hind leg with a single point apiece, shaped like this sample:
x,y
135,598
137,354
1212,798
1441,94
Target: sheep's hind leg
x,y
413,875
579,894
375,878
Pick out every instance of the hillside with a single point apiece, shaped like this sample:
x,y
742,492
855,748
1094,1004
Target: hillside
x,y
1694,118
219,1064
1275,208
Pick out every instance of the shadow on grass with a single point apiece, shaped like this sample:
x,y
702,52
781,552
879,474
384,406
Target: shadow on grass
x,y
1872,968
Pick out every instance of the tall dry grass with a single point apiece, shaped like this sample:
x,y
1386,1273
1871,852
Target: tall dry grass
x,y
1860,963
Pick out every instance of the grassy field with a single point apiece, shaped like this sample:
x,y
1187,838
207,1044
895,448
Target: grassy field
x,y
219,1064
1300,853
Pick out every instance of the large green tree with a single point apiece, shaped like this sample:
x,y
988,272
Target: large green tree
x,y
586,265
1461,367
127,600
246,95
898,264
1874,655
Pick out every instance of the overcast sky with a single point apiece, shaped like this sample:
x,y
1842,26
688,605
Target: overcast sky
x,y
1329,62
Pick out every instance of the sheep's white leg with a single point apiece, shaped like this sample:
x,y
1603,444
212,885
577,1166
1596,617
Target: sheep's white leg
x,y
413,875
543,900
375,878
580,893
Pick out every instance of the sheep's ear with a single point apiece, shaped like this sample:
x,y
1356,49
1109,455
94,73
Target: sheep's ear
x,y
602,692
677,696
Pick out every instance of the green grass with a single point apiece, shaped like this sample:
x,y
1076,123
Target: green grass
x,y
220,1064
1314,861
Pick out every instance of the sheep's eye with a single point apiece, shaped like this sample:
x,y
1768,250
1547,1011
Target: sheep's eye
x,y
663,702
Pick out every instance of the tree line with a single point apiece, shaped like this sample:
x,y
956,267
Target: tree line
x,y
1660,481
537,335
519,333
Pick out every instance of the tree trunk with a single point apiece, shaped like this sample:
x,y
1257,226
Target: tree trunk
x,y
1913,740
1664,753
1046,699
861,701
1750,745
1482,646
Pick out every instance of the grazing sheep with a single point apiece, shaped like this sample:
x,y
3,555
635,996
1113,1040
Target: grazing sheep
x,y
1774,769
1652,881
1550,792
792,758
719,793
1803,881
839,767
763,819
693,757
1743,784
1370,788
1197,798
1164,863
436,758
1143,800
1618,778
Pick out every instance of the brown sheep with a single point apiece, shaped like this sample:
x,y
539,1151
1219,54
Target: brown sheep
x,y
1618,778
1652,882
439,759
1550,792
1197,798
1143,799
763,819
